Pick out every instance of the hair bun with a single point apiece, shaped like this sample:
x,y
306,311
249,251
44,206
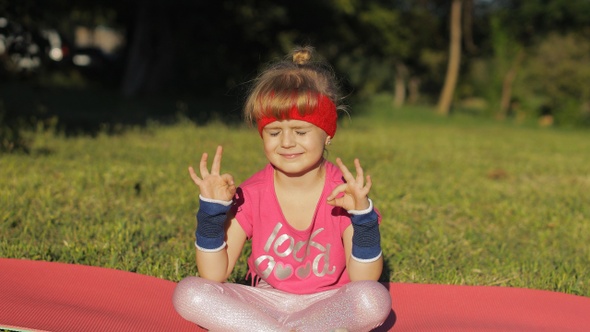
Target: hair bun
x,y
302,55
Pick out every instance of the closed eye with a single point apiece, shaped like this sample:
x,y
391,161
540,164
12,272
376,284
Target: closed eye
x,y
301,133
273,133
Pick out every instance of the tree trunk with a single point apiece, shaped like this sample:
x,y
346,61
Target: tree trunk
x,y
446,96
507,84
150,63
414,90
468,27
401,74
137,60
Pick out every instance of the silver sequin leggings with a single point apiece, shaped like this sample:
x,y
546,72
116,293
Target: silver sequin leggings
x,y
357,306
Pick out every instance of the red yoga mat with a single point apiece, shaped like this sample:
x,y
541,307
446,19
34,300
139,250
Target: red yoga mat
x,y
45,296
48,296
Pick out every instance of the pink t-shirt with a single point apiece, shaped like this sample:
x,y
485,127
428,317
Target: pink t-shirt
x,y
295,261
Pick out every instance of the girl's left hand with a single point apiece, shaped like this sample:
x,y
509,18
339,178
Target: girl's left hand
x,y
355,189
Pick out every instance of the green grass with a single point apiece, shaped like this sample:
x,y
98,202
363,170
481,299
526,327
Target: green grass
x,y
464,201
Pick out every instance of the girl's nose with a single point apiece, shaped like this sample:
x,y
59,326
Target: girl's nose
x,y
287,139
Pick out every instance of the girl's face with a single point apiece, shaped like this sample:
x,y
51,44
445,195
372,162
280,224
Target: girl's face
x,y
294,147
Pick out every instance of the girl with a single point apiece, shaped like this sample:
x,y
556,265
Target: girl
x,y
316,253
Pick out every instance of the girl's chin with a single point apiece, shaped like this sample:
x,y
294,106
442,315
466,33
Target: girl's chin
x,y
296,171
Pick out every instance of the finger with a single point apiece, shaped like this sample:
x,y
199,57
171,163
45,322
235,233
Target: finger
x,y
369,183
345,172
203,165
194,176
337,191
231,191
228,179
359,171
217,161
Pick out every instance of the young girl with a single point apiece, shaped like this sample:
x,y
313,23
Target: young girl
x,y
316,253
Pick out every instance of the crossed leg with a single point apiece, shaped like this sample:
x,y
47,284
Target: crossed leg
x,y
357,306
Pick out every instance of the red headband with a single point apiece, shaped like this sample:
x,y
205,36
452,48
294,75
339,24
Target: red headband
x,y
324,116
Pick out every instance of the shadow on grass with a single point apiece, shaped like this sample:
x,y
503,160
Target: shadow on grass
x,y
77,111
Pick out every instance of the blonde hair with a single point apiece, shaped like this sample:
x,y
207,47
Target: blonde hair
x,y
296,81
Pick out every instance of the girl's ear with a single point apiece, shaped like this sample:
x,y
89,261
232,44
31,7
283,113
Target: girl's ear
x,y
328,140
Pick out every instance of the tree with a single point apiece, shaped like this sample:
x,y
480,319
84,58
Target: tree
x,y
446,96
393,47
508,57
557,73
518,30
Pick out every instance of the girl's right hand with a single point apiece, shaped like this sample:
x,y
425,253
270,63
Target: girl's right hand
x,y
212,184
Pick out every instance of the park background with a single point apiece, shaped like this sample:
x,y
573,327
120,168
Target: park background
x,y
471,116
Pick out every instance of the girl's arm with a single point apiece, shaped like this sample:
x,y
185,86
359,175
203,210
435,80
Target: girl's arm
x,y
220,238
217,266
364,259
360,270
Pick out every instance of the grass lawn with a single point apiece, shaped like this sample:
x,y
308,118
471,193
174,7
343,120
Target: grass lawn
x,y
464,201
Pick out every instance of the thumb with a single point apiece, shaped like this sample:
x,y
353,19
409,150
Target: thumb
x,y
227,178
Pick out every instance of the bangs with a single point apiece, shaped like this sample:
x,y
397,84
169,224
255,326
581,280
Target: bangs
x,y
284,89
278,104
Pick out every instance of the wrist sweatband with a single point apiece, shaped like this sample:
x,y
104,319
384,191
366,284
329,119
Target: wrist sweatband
x,y
366,239
211,217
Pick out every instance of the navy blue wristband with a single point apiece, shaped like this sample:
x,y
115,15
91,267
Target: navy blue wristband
x,y
366,238
210,233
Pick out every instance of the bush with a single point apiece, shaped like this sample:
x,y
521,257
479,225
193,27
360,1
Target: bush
x,y
11,137
558,71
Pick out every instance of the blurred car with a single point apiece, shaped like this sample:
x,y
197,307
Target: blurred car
x,y
54,46
98,50
25,51
18,51
89,57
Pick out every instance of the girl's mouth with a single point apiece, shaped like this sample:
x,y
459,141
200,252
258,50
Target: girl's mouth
x,y
290,155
